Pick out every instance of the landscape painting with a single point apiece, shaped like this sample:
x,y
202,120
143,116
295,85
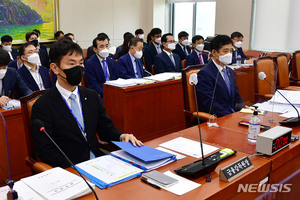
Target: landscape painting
x,y
17,17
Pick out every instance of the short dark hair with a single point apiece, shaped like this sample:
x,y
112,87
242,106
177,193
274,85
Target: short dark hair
x,y
99,38
29,34
133,42
4,58
236,34
219,41
125,45
6,38
57,34
103,34
164,37
37,31
155,31
68,34
196,38
23,47
139,31
148,38
61,48
182,34
126,34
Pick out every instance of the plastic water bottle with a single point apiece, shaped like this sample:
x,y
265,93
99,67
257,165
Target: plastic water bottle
x,y
254,127
239,60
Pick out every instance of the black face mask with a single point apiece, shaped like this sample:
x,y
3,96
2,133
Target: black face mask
x,y
35,42
74,75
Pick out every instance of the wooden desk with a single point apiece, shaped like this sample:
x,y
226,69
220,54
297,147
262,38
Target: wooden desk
x,y
216,189
17,145
147,111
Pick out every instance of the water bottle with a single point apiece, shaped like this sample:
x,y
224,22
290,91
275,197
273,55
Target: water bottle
x,y
238,60
254,127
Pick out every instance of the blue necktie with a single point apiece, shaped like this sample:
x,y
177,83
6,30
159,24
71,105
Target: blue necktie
x,y
138,71
158,50
184,50
173,61
105,70
226,80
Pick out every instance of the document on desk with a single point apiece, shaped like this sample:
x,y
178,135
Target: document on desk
x,y
24,192
12,104
57,183
164,76
188,147
291,95
183,186
107,170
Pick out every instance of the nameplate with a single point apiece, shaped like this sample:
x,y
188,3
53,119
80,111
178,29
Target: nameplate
x,y
235,169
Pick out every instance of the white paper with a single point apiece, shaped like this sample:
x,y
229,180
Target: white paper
x,y
291,113
178,156
164,76
183,186
108,168
12,104
122,82
273,107
188,147
57,183
292,95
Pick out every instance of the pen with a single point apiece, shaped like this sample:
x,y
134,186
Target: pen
x,y
153,185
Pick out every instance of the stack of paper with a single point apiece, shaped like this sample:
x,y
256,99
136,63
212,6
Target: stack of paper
x,y
12,104
292,96
129,82
165,76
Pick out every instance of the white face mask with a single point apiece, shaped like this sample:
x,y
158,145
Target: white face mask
x,y
171,46
38,39
104,53
2,73
138,54
238,44
158,40
34,59
112,50
141,36
226,59
7,48
185,42
200,47
74,41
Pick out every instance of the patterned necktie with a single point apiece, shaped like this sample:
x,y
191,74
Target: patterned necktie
x,y
172,59
105,70
76,112
138,71
201,60
226,80
158,50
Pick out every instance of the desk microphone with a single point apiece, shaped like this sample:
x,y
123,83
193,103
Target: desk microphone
x,y
295,121
147,71
40,124
206,165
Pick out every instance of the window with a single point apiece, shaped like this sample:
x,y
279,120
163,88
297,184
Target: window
x,y
196,18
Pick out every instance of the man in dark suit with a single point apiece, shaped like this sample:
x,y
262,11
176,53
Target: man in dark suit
x,y
90,50
140,34
100,68
130,65
58,35
237,40
197,57
39,40
217,90
182,49
36,77
11,82
153,49
72,115
6,43
16,64
167,61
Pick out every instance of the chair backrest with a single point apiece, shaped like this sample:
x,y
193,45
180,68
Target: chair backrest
x,y
183,62
84,51
188,90
266,65
254,53
26,106
83,81
296,65
281,61
153,70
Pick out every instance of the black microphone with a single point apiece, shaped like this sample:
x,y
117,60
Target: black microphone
x,y
295,121
147,71
40,124
206,165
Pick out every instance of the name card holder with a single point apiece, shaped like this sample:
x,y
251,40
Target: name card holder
x,y
236,169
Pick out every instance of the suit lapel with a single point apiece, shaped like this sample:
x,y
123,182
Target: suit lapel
x,y
30,79
97,63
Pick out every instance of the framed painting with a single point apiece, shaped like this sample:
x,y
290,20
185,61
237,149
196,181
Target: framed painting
x,y
17,17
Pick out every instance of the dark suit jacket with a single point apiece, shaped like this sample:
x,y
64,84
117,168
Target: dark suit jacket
x,y
125,67
52,110
179,51
149,55
118,50
14,53
223,102
236,52
94,74
13,64
12,83
44,58
90,52
28,79
163,63
43,47
193,59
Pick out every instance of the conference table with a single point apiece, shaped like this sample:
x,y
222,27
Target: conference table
x,y
230,135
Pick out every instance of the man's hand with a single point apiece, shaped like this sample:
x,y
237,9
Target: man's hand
x,y
4,100
129,137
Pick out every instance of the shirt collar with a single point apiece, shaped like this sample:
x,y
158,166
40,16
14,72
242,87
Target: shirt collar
x,y
181,46
167,52
219,67
30,69
156,45
100,59
66,93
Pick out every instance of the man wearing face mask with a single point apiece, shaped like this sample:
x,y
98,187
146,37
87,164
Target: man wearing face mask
x,y
153,49
90,50
182,48
6,44
76,115
10,81
140,34
197,57
130,65
237,40
100,68
217,90
35,76
167,61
